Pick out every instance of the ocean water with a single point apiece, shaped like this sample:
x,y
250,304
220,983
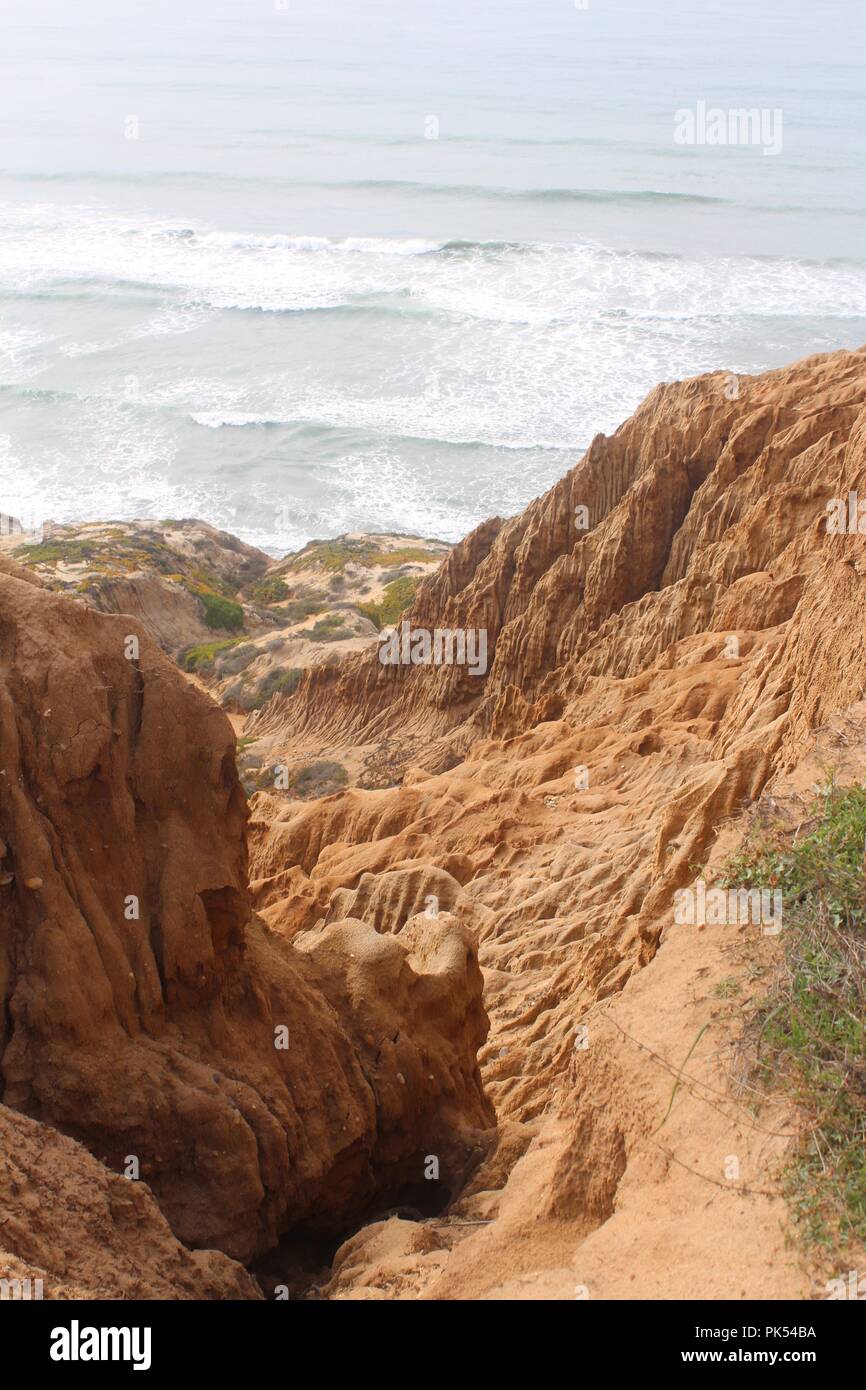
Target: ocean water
x,y
320,265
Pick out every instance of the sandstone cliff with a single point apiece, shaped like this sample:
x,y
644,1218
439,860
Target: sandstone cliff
x,y
668,628
673,631
145,1011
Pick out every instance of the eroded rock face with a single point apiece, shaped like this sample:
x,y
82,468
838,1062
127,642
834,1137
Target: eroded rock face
x,y
144,1011
703,513
648,678
649,675
76,1230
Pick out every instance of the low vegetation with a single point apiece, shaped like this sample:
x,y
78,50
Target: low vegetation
x,y
306,607
235,657
810,1033
273,589
331,628
335,555
54,553
203,657
222,614
280,681
396,598
319,779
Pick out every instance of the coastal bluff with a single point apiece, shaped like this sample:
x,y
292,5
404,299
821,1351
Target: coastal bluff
x,y
286,990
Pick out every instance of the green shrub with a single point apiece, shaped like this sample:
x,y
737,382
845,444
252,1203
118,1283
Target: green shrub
x,y
319,779
55,552
329,629
221,613
273,589
397,597
810,1031
334,555
236,658
331,555
279,681
409,555
206,582
203,656
303,608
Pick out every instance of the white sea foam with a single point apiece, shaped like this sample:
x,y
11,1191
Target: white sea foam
x,y
214,420
166,368
48,248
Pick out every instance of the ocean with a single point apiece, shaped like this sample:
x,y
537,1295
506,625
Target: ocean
x,y
299,267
